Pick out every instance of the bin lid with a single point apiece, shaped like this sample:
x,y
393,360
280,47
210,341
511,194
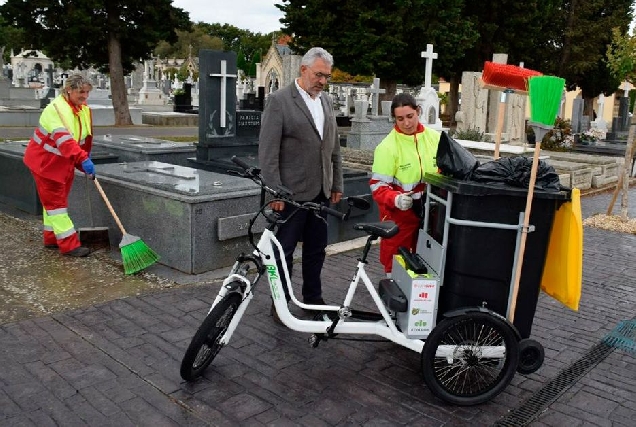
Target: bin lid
x,y
471,188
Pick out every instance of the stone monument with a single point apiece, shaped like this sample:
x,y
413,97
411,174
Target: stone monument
x,y
368,130
150,94
427,98
219,135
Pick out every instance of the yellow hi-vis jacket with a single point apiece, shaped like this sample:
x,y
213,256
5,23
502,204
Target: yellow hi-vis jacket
x,y
54,151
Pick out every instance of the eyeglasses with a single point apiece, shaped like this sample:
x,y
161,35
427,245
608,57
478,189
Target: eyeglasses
x,y
320,76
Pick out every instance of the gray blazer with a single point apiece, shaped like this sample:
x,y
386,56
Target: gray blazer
x,y
290,150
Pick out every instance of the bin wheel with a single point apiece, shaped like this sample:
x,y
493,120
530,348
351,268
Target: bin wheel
x,y
470,358
531,356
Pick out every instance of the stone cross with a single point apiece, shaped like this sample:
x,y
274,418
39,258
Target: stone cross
x,y
375,92
627,87
429,55
224,76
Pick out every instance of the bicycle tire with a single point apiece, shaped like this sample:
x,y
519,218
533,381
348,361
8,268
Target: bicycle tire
x,y
205,344
468,378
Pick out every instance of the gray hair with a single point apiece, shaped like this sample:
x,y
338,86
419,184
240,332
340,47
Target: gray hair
x,y
316,53
77,81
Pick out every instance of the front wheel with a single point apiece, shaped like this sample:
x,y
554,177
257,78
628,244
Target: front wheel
x,y
470,358
206,343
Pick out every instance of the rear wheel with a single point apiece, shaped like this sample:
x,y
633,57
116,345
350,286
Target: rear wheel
x,y
205,344
469,359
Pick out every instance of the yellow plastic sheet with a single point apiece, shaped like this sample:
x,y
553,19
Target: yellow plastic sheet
x,y
563,271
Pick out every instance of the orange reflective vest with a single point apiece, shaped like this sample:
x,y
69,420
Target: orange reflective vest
x,y
54,151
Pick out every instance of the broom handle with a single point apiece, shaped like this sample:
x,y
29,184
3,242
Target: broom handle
x,y
619,184
501,112
524,234
110,207
500,121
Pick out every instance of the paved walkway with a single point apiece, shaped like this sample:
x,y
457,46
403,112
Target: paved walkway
x,y
116,362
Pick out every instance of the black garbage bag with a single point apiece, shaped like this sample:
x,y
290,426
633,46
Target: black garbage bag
x,y
453,159
515,171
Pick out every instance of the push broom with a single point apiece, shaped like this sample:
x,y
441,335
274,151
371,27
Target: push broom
x,y
545,98
135,254
508,79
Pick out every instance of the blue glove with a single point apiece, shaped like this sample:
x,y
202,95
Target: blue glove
x,y
89,167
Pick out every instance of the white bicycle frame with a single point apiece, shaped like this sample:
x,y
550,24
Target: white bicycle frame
x,y
384,328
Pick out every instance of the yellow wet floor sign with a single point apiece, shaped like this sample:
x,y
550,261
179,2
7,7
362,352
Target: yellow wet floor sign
x,y
563,270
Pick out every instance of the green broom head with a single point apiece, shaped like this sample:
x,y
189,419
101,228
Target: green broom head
x,y
136,255
545,99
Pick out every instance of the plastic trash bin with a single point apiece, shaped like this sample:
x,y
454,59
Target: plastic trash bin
x,y
479,261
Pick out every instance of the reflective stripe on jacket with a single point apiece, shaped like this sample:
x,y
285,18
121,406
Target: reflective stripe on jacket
x,y
54,151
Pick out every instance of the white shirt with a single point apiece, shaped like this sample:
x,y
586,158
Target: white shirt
x,y
315,108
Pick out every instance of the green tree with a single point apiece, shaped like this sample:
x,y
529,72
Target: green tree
x,y
621,61
583,42
11,38
381,38
188,43
107,35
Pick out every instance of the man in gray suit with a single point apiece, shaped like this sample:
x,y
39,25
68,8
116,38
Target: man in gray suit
x,y
299,148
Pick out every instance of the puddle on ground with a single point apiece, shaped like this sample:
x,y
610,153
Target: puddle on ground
x,y
35,281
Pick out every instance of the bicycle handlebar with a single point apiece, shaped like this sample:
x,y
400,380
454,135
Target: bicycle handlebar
x,y
284,194
241,163
340,215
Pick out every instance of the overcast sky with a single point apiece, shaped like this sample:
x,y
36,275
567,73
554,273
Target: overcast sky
x,y
258,16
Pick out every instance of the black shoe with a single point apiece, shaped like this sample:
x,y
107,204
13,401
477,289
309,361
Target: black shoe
x,y
274,314
51,246
79,251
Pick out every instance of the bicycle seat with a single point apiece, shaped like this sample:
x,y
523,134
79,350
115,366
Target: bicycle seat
x,y
384,229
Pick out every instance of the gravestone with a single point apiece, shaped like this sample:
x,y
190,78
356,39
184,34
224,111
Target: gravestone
x,y
219,135
600,123
261,98
195,220
131,148
375,96
473,112
183,101
367,131
623,114
428,99
577,115
150,94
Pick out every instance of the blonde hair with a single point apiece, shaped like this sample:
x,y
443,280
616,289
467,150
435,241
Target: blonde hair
x,y
77,81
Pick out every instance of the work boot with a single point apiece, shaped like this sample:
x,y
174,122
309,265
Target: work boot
x,y
79,251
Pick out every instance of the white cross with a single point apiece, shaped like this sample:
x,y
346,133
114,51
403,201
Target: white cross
x,y
224,76
429,55
375,91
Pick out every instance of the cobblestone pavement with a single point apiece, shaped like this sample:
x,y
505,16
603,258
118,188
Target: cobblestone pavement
x,y
116,362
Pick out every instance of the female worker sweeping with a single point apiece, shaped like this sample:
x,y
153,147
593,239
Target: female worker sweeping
x,y
53,154
399,164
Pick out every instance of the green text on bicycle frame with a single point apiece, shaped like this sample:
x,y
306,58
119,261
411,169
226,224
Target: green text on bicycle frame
x,y
273,276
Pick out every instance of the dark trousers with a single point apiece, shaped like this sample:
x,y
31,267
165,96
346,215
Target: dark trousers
x,y
305,226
